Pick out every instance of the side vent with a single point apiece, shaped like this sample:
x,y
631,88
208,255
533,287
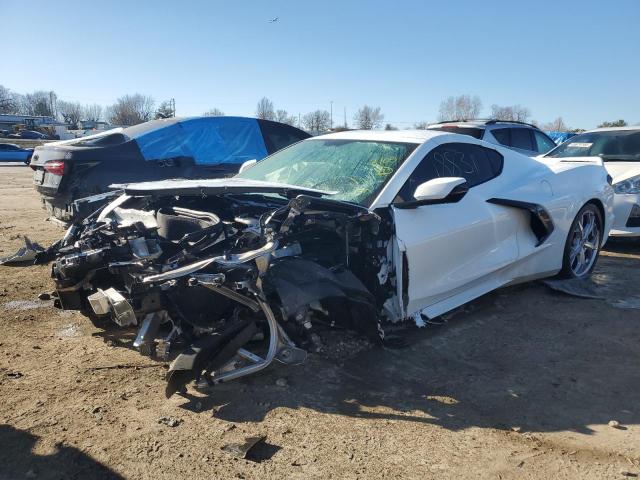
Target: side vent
x,y
540,220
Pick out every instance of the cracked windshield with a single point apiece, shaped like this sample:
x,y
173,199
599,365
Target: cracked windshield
x,y
352,170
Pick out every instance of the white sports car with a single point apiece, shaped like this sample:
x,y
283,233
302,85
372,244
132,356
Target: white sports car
x,y
619,148
353,230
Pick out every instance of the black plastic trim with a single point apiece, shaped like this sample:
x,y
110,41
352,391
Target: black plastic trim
x,y
634,217
541,223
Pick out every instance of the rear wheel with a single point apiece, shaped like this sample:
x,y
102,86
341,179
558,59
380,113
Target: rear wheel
x,y
583,243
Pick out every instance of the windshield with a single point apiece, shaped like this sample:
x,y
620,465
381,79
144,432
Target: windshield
x,y
620,145
355,170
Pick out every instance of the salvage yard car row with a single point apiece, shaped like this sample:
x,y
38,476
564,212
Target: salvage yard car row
x,y
354,230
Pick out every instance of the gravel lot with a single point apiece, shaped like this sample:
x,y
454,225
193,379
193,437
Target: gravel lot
x,y
520,384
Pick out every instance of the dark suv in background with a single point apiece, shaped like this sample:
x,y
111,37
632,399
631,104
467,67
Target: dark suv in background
x,y
519,136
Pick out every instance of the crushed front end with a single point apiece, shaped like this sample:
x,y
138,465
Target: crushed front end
x,y
224,284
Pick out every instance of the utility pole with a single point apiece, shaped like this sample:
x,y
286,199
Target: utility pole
x,y
173,107
51,105
331,124
345,117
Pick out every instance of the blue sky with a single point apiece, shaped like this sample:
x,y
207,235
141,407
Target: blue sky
x,y
575,59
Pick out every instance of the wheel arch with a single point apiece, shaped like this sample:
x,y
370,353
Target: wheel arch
x,y
598,203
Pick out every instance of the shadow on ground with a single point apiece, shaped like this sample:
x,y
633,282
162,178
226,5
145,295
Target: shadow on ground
x,y
524,357
17,460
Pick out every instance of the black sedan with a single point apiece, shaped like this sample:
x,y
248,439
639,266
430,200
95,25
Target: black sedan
x,y
199,147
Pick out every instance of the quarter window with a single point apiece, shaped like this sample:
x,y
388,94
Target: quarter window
x,y
543,143
502,136
521,138
474,163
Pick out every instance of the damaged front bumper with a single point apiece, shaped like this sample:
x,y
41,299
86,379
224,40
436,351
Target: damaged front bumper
x,y
225,284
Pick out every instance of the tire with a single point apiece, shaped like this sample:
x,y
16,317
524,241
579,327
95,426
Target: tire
x,y
581,253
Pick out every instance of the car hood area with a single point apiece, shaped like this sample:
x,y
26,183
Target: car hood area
x,y
223,281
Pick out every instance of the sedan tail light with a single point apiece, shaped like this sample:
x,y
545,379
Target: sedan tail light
x,y
56,167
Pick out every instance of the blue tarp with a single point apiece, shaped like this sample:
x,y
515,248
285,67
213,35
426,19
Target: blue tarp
x,y
208,140
560,137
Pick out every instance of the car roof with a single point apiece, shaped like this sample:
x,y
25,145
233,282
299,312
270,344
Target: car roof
x,y
613,129
403,136
482,123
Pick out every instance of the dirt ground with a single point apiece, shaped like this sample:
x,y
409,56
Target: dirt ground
x,y
520,384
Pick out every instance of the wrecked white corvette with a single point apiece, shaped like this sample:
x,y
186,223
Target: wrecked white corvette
x,y
352,230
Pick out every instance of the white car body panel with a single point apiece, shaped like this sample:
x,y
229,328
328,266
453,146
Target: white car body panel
x,y
623,202
492,244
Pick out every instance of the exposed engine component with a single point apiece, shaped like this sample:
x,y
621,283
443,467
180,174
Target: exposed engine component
x,y
225,284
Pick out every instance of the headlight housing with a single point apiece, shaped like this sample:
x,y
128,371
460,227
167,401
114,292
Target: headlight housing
x,y
630,185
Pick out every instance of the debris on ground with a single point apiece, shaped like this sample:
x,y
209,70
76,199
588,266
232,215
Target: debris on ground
x,y
26,254
577,287
597,287
170,421
241,450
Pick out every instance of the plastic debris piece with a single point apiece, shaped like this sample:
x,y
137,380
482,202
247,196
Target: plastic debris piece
x,y
26,254
577,287
241,450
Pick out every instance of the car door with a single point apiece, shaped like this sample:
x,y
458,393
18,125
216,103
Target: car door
x,y
450,250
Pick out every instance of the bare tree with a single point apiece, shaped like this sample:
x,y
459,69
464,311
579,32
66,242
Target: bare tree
x,y
39,103
510,112
264,109
421,125
317,122
388,126
70,112
165,110
557,125
214,112
283,116
463,107
131,110
9,101
617,123
368,118
92,113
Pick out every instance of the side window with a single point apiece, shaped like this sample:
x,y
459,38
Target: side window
x,y
543,143
521,138
502,136
278,136
474,163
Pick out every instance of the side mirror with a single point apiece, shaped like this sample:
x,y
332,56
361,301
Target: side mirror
x,y
437,190
246,165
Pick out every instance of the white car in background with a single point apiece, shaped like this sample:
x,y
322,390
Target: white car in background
x,y
619,148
